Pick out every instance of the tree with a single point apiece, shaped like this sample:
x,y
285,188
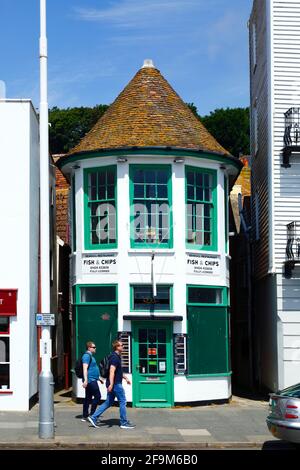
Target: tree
x,y
69,125
231,128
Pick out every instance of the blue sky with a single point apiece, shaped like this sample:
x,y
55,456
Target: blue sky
x,y
97,46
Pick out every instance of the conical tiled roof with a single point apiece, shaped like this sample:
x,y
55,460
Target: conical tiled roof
x,y
148,113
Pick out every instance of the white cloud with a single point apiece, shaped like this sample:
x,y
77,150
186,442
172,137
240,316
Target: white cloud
x,y
128,13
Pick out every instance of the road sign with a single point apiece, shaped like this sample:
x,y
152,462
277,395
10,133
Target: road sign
x,y
45,319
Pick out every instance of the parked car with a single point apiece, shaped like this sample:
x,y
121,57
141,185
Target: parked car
x,y
284,418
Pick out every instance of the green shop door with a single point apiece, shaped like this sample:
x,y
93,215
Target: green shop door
x,y
152,365
98,323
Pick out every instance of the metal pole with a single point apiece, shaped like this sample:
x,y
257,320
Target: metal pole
x,y
46,404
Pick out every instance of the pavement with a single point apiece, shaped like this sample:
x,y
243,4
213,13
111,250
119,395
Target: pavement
x,y
240,424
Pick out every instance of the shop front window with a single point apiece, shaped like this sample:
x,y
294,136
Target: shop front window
x,y
144,300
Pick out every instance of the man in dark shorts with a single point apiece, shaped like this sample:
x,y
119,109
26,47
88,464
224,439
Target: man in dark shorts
x,y
114,389
91,376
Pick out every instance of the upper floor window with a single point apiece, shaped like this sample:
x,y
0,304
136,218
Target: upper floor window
x,y
150,200
201,208
100,208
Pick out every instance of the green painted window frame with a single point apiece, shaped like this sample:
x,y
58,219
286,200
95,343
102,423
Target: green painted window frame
x,y
132,168
132,309
78,300
226,202
224,296
87,232
214,203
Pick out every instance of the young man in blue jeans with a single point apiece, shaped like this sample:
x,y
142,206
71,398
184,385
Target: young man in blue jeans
x,y
114,389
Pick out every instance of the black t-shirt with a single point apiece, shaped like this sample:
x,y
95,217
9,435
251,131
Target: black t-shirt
x,y
115,360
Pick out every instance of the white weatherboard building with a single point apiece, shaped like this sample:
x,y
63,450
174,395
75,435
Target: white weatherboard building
x,y
275,109
19,243
150,260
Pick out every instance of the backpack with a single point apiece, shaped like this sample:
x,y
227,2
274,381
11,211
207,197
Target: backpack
x,y
79,367
104,366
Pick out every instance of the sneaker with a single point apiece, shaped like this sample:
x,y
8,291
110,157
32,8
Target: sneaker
x,y
127,425
83,419
93,422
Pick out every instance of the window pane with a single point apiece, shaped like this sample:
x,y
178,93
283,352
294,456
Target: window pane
x,y
142,335
202,295
150,176
4,349
144,300
4,376
138,191
98,294
4,324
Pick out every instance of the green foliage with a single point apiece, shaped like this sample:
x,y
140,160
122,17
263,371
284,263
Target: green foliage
x,y
230,127
69,125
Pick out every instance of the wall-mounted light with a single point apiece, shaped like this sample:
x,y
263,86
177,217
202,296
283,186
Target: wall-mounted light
x,y
179,160
223,167
121,159
75,167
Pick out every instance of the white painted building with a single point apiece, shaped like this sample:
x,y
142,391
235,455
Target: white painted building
x,y
274,28
19,244
160,284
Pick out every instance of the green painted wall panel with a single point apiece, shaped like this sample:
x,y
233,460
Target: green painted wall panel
x,y
207,340
98,323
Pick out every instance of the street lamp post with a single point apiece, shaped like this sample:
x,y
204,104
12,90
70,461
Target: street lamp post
x,y
46,385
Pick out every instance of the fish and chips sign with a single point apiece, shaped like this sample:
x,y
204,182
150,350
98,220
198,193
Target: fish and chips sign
x,y
99,264
203,265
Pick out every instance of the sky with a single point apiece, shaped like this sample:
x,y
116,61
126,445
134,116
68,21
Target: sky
x,y
95,47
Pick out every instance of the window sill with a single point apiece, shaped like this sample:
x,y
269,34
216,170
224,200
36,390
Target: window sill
x,y
148,251
203,376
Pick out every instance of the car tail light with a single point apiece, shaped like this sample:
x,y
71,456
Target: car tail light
x,y
293,407
290,416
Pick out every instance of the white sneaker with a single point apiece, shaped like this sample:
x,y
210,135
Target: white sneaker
x,y
127,425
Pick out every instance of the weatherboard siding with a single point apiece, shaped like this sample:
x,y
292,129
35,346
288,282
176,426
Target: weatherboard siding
x,y
259,99
286,60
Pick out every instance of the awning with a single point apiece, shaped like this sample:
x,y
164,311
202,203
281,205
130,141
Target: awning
x,y
8,302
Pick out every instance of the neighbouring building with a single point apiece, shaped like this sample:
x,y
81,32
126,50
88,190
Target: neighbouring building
x,y
241,280
19,251
150,251
274,28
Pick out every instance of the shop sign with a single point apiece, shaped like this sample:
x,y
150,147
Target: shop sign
x,y
99,264
203,265
8,302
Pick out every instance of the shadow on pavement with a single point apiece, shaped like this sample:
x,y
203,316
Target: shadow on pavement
x,y
279,445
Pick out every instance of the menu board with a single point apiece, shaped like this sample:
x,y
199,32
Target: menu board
x,y
125,337
180,354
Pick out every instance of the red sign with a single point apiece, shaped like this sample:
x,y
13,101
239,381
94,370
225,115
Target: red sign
x,y
8,302
152,351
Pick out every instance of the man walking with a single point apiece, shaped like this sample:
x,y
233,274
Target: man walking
x,y
114,388
91,375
